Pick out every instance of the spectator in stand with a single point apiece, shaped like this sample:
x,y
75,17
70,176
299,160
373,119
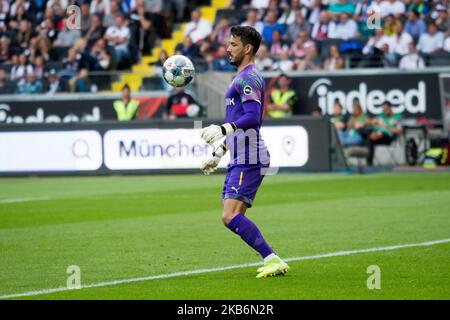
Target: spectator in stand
x,y
270,25
363,11
263,61
401,40
275,7
418,6
128,6
289,12
447,44
221,31
126,108
5,86
389,58
284,63
312,61
20,15
4,49
143,30
4,11
221,61
313,9
373,46
443,20
252,20
101,55
100,6
298,25
431,41
118,37
298,48
23,35
385,129
334,61
392,7
39,67
282,99
55,83
67,37
198,29
338,119
188,48
415,25
109,18
95,31
278,46
260,4
356,127
412,60
44,48
390,25
29,85
321,28
47,29
15,7
317,112
85,17
22,68
346,28
33,50
181,104
75,71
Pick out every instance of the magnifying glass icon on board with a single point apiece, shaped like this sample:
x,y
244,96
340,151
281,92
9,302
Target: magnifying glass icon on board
x,y
80,149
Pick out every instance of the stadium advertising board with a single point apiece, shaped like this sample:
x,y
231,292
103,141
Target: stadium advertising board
x,y
50,151
183,148
70,110
411,94
143,147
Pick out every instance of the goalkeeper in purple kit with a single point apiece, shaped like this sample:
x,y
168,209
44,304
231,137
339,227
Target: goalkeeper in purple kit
x,y
249,157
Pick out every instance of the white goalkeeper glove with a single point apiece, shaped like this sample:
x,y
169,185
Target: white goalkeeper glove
x,y
210,165
214,133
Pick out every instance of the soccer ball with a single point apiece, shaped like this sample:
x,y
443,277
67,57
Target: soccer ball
x,y
178,71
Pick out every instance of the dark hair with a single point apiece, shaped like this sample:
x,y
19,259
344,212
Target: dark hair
x,y
248,35
317,109
284,75
126,87
387,103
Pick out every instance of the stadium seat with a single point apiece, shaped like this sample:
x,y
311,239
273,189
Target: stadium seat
x,y
394,151
359,153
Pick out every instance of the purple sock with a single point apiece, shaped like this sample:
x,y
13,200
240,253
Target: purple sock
x,y
250,233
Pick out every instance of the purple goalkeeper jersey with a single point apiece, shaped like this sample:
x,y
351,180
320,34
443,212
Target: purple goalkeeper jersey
x,y
244,107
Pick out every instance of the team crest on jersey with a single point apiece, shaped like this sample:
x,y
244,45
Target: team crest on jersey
x,y
248,90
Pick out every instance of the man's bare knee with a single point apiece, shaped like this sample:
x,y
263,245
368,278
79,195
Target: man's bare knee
x,y
227,216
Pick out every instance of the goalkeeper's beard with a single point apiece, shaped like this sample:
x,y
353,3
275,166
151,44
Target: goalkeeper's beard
x,y
237,60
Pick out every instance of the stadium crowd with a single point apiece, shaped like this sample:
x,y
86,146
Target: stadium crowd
x,y
41,53
47,47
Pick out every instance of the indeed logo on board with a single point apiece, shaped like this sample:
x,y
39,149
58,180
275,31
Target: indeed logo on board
x,y
412,100
41,117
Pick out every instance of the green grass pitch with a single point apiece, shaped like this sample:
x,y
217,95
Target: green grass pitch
x,y
128,227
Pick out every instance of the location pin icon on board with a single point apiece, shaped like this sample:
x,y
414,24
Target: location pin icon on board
x,y
288,144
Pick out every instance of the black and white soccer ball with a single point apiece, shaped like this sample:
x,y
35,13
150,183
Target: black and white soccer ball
x,y
178,71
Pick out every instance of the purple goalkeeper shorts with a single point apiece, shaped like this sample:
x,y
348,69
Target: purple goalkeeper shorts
x,y
242,183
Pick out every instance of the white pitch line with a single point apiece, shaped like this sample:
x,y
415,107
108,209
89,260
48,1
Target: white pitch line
x,y
239,266
16,200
